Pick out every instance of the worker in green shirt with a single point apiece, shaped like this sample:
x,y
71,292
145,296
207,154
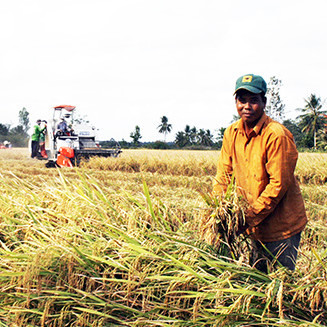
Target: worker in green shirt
x,y
36,137
42,143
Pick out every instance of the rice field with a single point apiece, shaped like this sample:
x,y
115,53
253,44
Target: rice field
x,y
119,242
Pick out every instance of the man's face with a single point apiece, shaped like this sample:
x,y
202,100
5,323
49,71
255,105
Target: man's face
x,y
250,107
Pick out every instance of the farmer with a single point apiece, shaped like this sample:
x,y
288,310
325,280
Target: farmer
x,y
42,141
261,154
62,127
36,137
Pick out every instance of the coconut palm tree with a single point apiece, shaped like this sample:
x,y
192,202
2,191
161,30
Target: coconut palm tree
x,y
187,133
164,127
205,137
181,139
136,135
312,119
193,135
322,139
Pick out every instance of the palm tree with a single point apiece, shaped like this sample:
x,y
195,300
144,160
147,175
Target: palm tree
x,y
193,135
312,119
208,138
221,132
322,139
136,135
205,137
201,136
187,134
181,139
164,127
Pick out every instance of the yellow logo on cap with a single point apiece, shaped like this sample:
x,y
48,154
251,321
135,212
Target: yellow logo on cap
x,y
247,79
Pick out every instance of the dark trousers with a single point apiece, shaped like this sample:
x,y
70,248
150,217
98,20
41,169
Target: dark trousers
x,y
35,148
268,255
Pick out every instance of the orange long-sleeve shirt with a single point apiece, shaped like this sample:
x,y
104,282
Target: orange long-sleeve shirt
x,y
263,165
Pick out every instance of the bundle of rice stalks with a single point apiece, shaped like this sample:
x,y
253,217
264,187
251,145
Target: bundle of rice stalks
x,y
223,223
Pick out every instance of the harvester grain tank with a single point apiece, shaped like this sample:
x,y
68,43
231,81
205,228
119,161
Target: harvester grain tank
x,y
67,146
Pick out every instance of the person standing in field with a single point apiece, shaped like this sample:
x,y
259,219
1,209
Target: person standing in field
x,y
261,154
36,137
42,142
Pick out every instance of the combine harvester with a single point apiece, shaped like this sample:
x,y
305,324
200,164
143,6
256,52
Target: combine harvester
x,y
67,148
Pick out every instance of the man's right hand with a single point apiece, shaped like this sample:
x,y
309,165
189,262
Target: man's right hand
x,y
242,227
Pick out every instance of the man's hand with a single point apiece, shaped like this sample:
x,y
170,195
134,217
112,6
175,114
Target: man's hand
x,y
242,227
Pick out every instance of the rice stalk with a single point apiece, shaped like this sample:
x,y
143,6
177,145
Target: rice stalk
x,y
220,224
78,252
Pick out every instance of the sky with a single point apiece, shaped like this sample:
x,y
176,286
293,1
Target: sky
x,y
124,63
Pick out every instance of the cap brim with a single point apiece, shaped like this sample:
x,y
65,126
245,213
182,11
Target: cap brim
x,y
249,88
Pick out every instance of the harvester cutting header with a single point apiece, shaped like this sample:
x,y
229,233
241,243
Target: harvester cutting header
x,y
68,142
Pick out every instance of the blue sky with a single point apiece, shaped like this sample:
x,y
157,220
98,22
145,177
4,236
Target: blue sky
x,y
128,62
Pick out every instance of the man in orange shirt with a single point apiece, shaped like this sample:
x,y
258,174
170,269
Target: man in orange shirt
x,y
261,154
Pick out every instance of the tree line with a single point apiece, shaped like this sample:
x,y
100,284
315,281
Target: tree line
x,y
309,128
18,135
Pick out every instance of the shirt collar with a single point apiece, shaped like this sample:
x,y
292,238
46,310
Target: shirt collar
x,y
257,128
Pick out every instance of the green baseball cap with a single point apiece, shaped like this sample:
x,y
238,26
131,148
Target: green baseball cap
x,y
252,83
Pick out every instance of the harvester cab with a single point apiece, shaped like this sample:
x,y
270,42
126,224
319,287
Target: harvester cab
x,y
69,142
